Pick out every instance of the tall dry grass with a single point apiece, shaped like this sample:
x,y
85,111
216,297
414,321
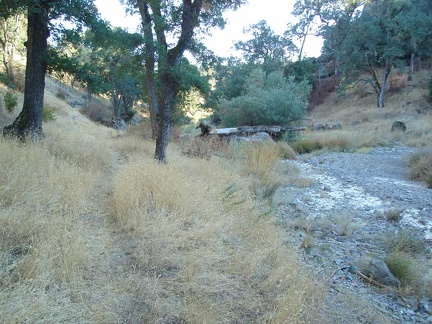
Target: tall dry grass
x,y
204,250
42,258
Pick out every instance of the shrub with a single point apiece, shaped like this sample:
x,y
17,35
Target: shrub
x,y
11,101
48,113
267,100
286,151
421,166
97,111
397,82
406,241
62,94
401,265
304,146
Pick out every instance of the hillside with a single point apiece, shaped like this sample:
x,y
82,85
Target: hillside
x,y
356,110
95,231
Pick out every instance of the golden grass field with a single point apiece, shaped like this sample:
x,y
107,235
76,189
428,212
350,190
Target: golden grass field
x,y
94,231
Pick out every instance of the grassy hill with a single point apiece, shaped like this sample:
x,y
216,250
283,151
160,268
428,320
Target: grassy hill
x,y
93,230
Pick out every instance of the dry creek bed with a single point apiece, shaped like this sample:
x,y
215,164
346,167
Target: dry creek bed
x,y
339,216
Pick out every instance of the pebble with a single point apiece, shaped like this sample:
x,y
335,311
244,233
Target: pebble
x,y
362,186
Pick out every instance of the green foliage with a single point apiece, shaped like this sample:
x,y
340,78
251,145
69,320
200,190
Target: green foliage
x,y
304,146
48,113
401,265
302,70
265,47
267,100
11,101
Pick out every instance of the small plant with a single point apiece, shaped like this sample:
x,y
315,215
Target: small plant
x,y
304,146
344,224
394,215
308,242
421,166
48,113
407,241
401,265
11,101
261,158
286,151
61,94
266,187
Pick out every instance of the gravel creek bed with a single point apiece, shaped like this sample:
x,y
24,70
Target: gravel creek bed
x,y
339,216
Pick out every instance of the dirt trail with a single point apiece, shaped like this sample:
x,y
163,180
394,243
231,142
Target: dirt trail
x,y
107,281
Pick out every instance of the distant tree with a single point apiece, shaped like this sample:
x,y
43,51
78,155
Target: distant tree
x,y
12,38
175,21
28,124
415,31
374,42
266,100
265,47
117,57
193,89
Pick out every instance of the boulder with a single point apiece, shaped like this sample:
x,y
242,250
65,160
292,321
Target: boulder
x,y
398,126
118,123
378,271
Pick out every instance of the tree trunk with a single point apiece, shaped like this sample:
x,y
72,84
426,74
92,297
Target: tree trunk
x,y
386,73
149,66
165,120
411,67
28,124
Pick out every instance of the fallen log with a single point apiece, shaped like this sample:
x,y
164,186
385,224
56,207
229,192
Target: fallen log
x,y
274,131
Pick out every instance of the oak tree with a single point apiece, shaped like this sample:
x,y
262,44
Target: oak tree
x,y
28,124
170,28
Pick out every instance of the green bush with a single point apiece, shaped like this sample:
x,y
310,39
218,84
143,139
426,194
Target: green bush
x,y
304,146
48,113
267,100
401,265
11,101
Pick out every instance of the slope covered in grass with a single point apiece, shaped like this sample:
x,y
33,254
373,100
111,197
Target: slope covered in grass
x,y
92,230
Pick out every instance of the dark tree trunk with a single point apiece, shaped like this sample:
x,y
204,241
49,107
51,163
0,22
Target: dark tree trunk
x,y
150,66
165,120
386,73
168,63
28,124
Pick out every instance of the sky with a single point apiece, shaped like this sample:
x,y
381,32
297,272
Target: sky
x,y
277,13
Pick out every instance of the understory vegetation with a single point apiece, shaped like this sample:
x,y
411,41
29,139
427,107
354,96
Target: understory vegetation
x,y
93,230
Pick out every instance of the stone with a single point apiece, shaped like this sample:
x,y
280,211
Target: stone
x,y
398,126
118,123
378,271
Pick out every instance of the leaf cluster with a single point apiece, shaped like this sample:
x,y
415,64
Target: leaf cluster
x,y
266,100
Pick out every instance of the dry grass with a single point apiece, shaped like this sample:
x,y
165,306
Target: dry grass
x,y
92,230
421,166
42,257
364,125
203,246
